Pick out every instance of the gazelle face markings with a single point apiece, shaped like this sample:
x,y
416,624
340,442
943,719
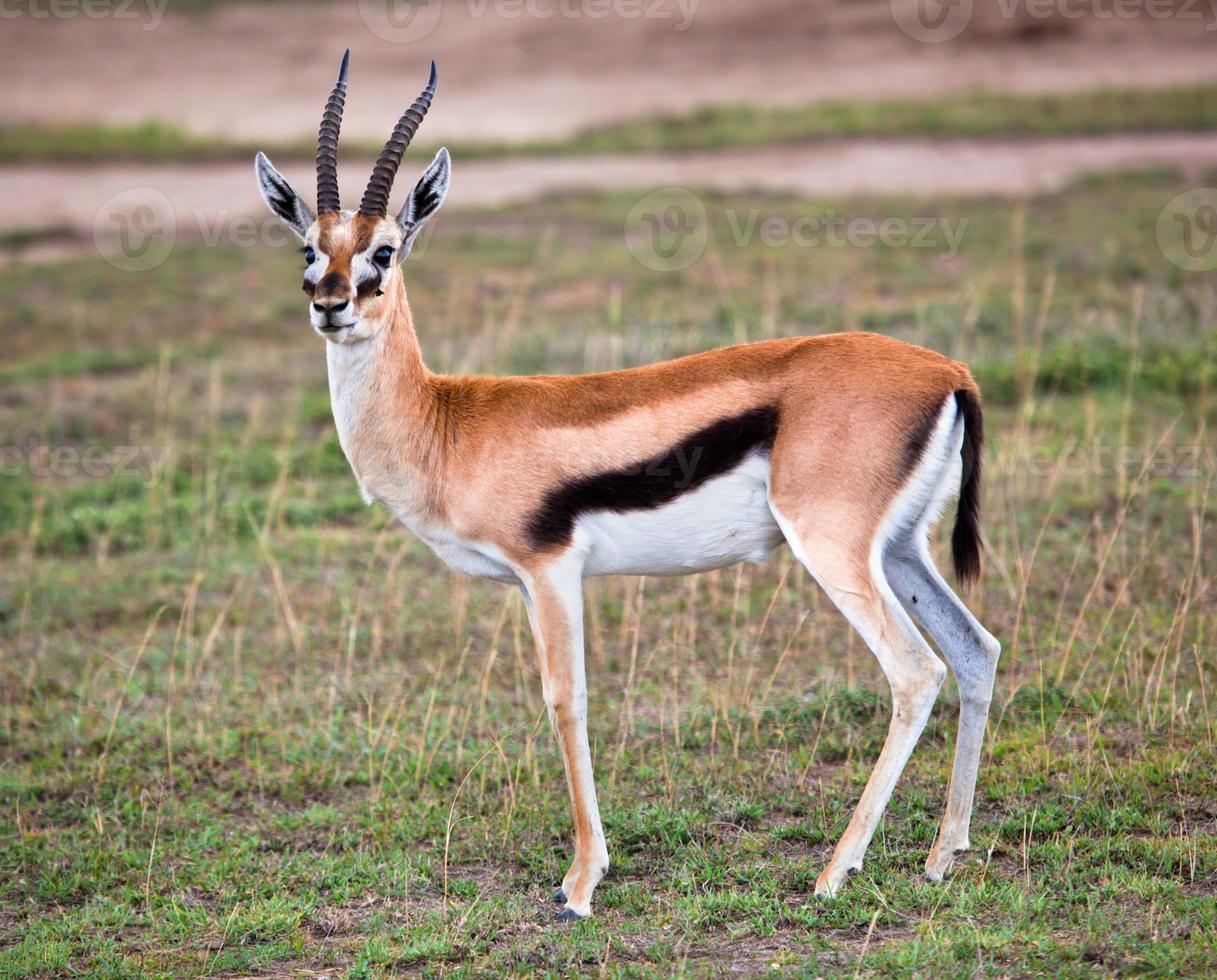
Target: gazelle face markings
x,y
349,261
350,256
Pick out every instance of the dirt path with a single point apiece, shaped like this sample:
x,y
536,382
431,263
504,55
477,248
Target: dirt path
x,y
514,69
211,203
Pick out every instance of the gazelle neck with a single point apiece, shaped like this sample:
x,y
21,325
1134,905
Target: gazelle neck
x,y
382,400
390,342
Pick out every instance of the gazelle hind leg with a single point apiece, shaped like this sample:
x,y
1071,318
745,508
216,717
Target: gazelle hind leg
x,y
858,588
972,653
554,597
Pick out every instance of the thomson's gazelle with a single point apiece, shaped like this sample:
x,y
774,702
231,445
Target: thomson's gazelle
x,y
844,446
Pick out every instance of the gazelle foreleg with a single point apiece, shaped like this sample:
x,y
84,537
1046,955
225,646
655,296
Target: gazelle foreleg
x,y
554,596
972,653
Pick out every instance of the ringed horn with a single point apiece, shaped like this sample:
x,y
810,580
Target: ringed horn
x,y
327,143
375,201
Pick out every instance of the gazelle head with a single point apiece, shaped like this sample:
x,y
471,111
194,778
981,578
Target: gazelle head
x,y
352,257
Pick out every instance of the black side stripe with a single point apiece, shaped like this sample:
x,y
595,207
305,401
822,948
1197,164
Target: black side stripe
x,y
651,483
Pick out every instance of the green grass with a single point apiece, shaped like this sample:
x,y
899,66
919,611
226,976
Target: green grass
x,y
977,115
980,114
250,726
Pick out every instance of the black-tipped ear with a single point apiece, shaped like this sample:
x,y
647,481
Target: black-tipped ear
x,y
425,199
280,198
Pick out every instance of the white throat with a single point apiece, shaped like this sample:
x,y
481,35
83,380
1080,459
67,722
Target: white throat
x,y
350,368
374,433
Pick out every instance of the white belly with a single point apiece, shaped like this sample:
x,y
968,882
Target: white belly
x,y
725,521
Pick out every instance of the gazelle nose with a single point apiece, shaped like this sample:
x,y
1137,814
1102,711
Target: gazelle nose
x,y
331,308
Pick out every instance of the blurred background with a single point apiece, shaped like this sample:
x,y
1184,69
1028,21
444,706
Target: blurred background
x,y
250,726
536,96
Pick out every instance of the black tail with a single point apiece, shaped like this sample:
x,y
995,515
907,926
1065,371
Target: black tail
x,y
965,539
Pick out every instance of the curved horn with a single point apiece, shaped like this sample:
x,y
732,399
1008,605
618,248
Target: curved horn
x,y
327,143
375,201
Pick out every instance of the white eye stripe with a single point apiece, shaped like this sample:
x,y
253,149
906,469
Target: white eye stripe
x,y
313,270
365,267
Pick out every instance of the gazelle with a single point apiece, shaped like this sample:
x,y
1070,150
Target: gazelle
x,y
846,446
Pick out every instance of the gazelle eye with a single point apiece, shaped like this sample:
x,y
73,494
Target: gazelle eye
x,y
309,255
383,256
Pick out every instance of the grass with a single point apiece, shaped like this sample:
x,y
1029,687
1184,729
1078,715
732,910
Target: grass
x,y
250,726
974,115
979,115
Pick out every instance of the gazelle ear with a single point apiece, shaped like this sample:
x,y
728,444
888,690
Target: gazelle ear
x,y
425,198
281,199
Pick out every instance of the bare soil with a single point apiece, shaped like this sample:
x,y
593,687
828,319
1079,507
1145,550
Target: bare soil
x,y
207,201
516,69
526,69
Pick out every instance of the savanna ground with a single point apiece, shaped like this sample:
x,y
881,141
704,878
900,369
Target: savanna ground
x,y
250,726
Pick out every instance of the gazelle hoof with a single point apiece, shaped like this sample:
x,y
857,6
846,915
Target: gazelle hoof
x,y
570,915
558,897
832,878
940,862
